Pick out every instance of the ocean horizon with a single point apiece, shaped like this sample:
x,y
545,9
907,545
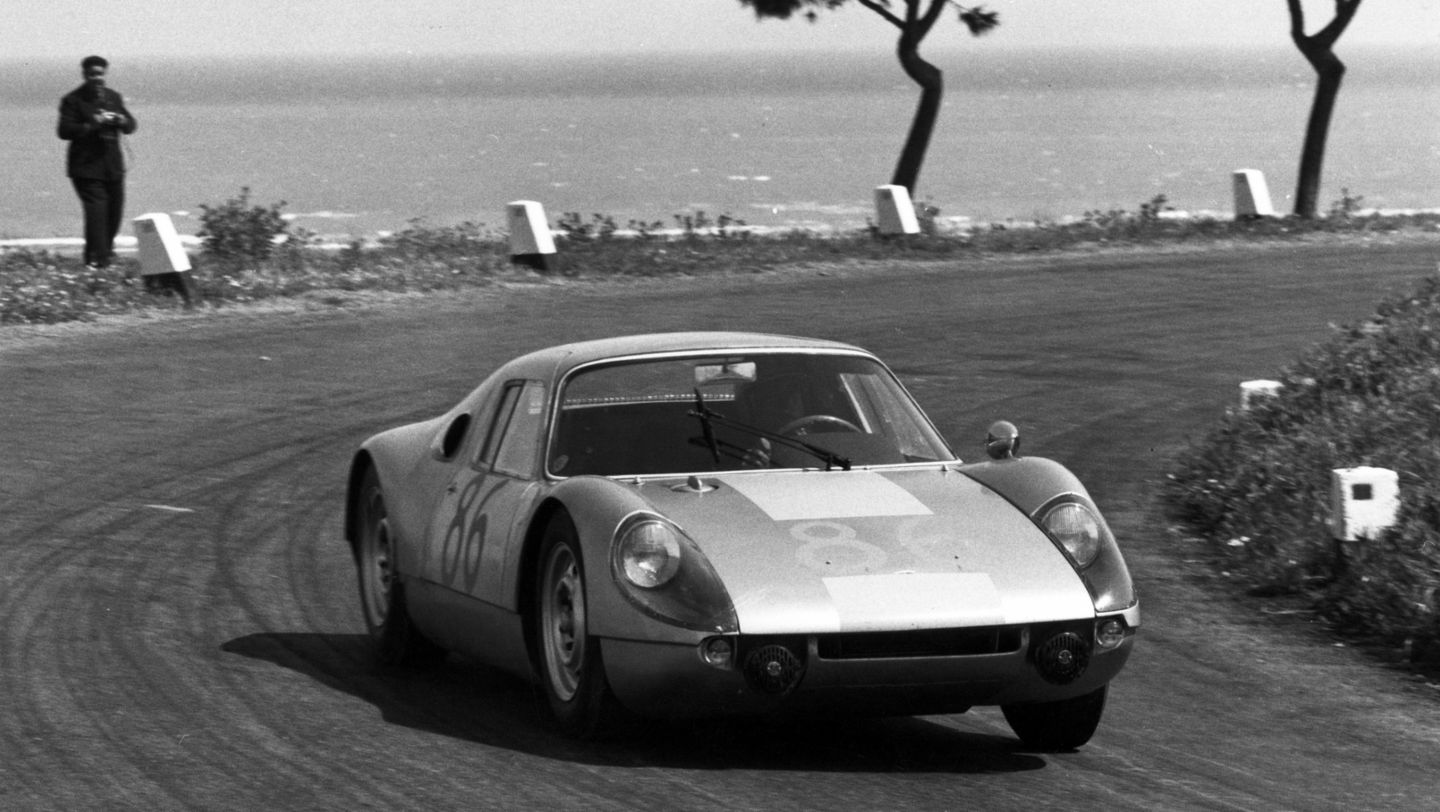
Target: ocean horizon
x,y
359,147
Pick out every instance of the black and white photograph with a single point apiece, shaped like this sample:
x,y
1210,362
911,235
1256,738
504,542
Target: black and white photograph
x,y
720,405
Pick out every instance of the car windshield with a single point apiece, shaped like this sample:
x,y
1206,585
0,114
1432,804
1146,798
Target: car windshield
x,y
735,412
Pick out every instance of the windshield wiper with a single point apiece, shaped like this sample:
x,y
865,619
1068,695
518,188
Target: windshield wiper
x,y
707,429
709,418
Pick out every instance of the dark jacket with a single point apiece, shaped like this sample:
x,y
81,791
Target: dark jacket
x,y
94,148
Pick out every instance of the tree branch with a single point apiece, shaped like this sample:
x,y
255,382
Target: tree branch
x,y
876,7
931,15
1344,13
1326,37
1297,20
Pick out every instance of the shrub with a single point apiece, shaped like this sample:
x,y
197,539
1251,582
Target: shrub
x,y
1257,487
1347,206
927,215
1150,211
646,230
236,231
698,223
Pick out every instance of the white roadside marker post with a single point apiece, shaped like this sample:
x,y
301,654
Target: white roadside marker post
x,y
531,243
163,261
1252,391
1252,196
1364,502
894,211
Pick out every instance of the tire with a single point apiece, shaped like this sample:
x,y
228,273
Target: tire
x,y
572,670
1057,726
382,594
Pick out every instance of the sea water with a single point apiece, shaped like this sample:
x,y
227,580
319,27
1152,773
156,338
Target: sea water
x,y
356,147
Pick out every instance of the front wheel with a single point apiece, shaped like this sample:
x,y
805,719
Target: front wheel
x,y
1055,726
382,595
572,670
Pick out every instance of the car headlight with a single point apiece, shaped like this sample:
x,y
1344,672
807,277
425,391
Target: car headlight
x,y
663,573
1074,524
1077,529
649,553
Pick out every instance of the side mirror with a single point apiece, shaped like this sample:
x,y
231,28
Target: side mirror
x,y
1002,440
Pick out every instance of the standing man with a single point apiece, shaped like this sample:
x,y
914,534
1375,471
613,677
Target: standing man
x,y
92,117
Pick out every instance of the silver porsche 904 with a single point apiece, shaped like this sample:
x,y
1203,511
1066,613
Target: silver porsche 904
x,y
695,524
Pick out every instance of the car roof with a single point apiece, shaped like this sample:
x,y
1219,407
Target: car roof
x,y
556,360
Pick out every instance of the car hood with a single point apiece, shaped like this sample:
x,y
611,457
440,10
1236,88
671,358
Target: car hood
x,y
874,550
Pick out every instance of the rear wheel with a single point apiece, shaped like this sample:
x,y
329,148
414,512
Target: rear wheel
x,y
1053,726
572,670
382,595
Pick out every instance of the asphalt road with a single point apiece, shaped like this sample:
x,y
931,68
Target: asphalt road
x,y
181,630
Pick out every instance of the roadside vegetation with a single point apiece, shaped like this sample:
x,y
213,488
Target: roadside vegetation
x,y
1257,488
251,253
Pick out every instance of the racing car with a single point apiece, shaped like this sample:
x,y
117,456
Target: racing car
x,y
701,524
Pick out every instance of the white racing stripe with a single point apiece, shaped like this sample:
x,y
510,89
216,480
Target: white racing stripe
x,y
827,495
915,600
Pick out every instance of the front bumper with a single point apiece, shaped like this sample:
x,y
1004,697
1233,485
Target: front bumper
x,y
903,673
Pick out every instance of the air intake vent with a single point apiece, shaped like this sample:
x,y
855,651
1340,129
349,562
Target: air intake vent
x,y
921,643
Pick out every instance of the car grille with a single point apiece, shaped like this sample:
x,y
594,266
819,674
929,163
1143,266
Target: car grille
x,y
919,643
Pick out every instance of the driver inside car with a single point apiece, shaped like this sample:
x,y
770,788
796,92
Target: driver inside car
x,y
780,403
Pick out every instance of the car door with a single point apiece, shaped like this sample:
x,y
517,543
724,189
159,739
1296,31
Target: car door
x,y
485,505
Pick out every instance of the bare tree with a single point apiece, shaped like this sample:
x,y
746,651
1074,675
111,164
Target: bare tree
x,y
1319,51
914,21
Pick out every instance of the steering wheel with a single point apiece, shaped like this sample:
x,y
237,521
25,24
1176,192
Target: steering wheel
x,y
801,425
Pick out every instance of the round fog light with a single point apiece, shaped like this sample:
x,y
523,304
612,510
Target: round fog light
x,y
773,669
1109,633
718,652
1063,658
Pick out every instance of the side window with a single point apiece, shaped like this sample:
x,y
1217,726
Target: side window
x,y
513,442
520,444
499,421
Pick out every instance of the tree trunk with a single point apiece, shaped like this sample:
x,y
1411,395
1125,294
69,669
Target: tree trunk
x,y
1330,71
932,90
1319,51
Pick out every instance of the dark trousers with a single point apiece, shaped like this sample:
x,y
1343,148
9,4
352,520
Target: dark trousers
x,y
103,202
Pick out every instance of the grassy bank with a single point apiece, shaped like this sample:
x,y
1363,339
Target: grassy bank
x,y
1257,487
251,255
